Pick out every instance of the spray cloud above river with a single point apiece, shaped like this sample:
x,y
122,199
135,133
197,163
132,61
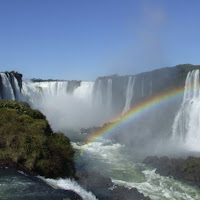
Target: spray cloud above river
x,y
74,105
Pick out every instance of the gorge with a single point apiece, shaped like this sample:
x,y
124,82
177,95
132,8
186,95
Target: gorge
x,y
168,127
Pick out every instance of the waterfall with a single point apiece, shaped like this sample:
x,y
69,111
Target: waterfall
x,y
8,92
186,126
142,92
151,87
38,92
52,88
98,96
109,96
101,100
129,94
17,90
10,86
84,91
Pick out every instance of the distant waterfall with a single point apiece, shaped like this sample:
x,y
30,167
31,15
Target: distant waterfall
x,y
17,90
84,91
109,96
142,92
186,126
98,93
35,92
52,88
7,89
101,100
129,94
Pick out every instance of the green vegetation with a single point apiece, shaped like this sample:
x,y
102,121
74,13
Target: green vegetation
x,y
46,80
28,142
191,165
182,71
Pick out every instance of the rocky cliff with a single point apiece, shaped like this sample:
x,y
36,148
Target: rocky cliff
x,y
27,142
182,169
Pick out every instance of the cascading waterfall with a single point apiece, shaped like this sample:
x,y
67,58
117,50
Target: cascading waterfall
x,y
129,94
52,88
98,96
8,92
109,96
102,100
186,126
151,88
84,92
38,92
142,92
17,89
104,94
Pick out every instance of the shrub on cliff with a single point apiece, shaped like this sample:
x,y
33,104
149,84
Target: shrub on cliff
x,y
28,142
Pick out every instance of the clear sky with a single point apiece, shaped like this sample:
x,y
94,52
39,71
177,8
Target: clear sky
x,y
84,39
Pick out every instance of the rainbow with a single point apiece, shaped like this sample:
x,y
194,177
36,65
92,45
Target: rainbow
x,y
135,112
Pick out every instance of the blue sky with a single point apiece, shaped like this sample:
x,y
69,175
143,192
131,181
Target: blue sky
x,y
84,39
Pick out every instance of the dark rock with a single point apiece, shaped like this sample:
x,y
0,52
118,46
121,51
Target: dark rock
x,y
188,170
72,85
104,189
32,189
153,160
121,192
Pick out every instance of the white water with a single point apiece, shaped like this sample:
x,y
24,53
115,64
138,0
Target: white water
x,y
84,91
94,98
51,88
186,126
109,97
98,96
68,184
67,110
129,93
17,89
7,87
142,87
116,161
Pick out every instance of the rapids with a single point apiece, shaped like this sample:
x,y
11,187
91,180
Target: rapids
x,y
117,161
71,105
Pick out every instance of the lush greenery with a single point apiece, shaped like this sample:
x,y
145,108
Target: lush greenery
x,y
27,141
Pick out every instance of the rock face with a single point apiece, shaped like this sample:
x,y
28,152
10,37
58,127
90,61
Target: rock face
x,y
143,85
188,170
27,142
104,189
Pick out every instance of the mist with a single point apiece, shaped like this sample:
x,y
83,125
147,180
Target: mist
x,y
74,105
67,110
70,112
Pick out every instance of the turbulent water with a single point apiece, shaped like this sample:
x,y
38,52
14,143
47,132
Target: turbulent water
x,y
82,104
116,161
15,185
186,125
67,184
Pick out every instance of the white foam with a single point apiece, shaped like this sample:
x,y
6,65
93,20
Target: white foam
x,y
159,187
186,126
113,160
68,184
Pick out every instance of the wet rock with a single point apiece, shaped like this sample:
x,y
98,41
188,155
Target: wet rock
x,y
104,189
188,170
